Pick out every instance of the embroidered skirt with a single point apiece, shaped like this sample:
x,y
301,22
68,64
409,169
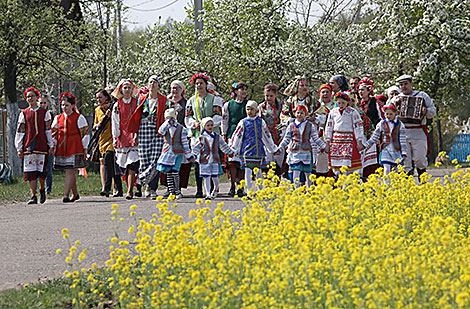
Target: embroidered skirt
x,y
390,155
344,152
65,163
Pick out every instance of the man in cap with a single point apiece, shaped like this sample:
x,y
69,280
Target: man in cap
x,y
417,137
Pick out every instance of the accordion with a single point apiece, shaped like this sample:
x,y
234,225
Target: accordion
x,y
410,109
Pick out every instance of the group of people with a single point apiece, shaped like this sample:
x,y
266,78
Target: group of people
x,y
145,137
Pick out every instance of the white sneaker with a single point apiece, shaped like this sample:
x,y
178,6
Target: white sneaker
x,y
179,196
147,192
214,193
153,194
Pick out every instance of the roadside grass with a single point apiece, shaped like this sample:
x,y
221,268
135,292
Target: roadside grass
x,y
18,190
55,293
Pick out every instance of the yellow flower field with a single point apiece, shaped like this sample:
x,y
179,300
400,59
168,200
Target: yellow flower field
x,y
385,243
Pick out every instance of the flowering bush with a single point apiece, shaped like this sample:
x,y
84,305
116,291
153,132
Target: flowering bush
x,y
385,243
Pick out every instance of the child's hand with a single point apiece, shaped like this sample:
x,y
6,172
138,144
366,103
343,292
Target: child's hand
x,y
21,154
277,153
360,147
327,148
231,155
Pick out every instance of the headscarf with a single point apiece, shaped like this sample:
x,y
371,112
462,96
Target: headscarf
x,y
381,98
327,86
342,82
252,104
293,87
368,83
117,93
171,112
38,94
204,121
157,79
179,84
390,89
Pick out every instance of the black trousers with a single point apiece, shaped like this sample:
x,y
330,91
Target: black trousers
x,y
109,173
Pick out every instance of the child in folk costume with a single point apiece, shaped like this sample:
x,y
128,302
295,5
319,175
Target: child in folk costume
x,y
70,130
250,140
301,136
392,137
234,111
175,148
207,150
344,133
270,111
34,142
125,142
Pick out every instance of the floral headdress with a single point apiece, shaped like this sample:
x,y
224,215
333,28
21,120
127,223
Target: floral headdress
x,y
204,76
342,95
237,86
70,97
38,94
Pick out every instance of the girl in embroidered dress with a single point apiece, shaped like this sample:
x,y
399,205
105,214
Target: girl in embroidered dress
x,y
391,135
207,151
70,131
301,136
176,148
250,140
125,142
344,133
327,104
202,104
270,111
33,142
234,111
145,121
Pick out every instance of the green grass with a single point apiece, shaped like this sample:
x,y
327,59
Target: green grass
x,y
54,293
18,190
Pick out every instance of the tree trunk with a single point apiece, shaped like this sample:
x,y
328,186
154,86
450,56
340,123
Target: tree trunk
x,y
9,73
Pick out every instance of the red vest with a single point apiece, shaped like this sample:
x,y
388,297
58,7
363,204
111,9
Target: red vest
x,y
126,138
206,150
303,144
35,139
69,139
134,122
176,141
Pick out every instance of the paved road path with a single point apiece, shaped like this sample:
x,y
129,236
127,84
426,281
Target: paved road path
x,y
30,235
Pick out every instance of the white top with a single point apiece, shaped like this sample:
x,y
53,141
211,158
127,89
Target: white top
x,y
81,123
20,135
348,120
266,138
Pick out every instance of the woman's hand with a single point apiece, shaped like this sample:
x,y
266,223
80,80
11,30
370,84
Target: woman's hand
x,y
21,154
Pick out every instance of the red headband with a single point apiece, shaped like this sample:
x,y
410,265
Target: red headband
x,y
33,90
200,75
381,97
393,108
302,108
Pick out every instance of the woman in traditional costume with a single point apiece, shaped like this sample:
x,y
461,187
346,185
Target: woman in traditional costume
x,y
33,141
145,121
125,142
234,111
70,131
201,105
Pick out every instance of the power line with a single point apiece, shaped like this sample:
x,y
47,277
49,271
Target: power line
x,y
142,3
155,9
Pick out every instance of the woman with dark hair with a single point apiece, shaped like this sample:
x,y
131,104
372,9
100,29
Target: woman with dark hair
x,y
371,113
106,147
234,111
145,121
70,131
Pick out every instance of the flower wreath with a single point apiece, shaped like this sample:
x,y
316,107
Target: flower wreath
x,y
342,95
38,94
70,97
204,76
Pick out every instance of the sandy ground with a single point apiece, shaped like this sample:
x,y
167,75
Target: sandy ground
x,y
31,234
